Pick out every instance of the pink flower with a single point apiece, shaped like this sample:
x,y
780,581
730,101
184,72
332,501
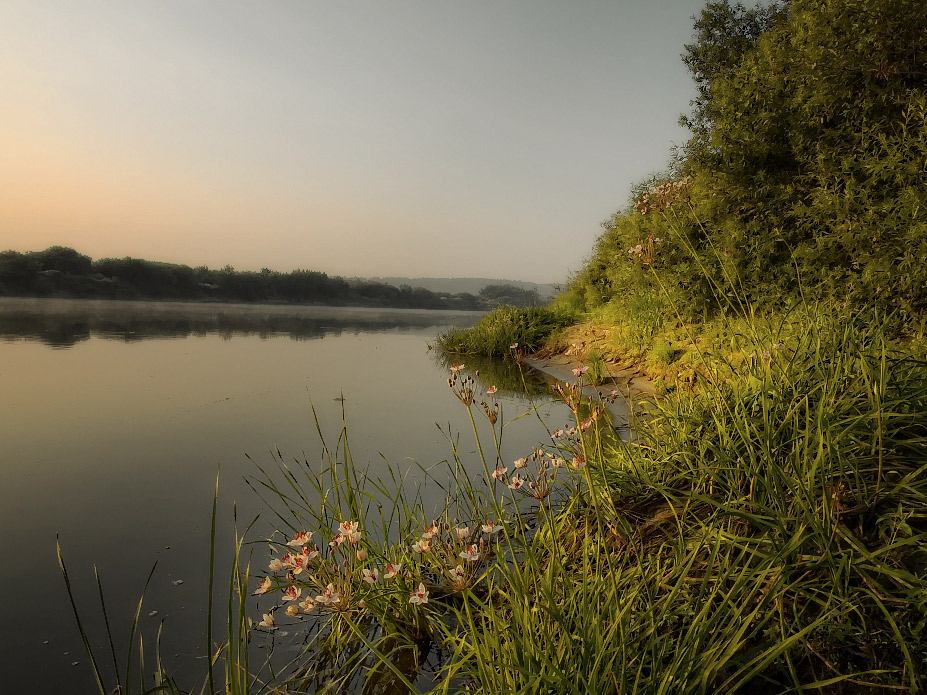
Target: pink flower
x,y
521,463
472,553
513,346
307,605
419,597
309,555
349,529
499,473
517,482
463,532
328,597
579,371
458,577
371,576
294,563
490,528
422,545
267,621
299,539
263,586
579,461
492,390
391,570
292,593
457,367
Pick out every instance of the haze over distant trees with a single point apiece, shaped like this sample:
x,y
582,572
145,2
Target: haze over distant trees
x,y
60,271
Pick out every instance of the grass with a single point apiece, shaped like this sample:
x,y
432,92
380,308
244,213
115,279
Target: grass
x,y
765,533
507,330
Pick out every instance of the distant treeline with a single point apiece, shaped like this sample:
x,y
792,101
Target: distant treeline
x,y
63,272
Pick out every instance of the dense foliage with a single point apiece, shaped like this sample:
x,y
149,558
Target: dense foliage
x,y
63,272
805,176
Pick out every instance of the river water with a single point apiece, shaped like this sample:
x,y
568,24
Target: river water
x,y
117,417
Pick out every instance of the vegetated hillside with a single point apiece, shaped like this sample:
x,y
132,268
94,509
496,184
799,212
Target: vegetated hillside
x,y
805,177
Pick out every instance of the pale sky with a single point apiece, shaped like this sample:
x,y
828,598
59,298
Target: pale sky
x,y
475,138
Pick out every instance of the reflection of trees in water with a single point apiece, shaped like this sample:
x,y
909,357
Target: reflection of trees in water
x,y
65,323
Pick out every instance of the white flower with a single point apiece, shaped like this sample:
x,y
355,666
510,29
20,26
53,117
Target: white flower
x,y
263,586
275,565
299,539
329,597
391,570
370,576
490,528
292,593
292,610
307,605
421,546
349,529
267,621
472,553
463,533
419,597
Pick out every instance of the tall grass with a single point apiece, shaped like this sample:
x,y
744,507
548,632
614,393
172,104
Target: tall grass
x,y
505,330
765,532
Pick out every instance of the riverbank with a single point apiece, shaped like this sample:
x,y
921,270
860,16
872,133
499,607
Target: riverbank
x,y
767,534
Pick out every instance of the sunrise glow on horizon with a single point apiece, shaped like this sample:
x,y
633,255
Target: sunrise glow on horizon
x,y
476,139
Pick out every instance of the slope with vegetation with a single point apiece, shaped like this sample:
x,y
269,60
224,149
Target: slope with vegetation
x,y
768,530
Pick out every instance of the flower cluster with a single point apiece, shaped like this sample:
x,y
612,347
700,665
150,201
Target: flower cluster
x,y
305,571
492,408
454,554
646,250
462,386
532,476
663,196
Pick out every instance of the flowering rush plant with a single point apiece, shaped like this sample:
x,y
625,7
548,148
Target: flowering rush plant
x,y
444,559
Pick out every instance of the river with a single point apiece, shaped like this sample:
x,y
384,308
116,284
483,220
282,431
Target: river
x,y
117,417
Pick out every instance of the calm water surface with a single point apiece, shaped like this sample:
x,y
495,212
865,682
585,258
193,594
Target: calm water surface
x,y
115,419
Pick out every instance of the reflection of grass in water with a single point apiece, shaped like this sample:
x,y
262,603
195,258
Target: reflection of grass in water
x,y
506,374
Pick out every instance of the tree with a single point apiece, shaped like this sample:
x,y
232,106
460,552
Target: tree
x,y
724,34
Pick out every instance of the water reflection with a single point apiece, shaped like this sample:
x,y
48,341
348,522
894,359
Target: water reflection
x,y
63,323
505,374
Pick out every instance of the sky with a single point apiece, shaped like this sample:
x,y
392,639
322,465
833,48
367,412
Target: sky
x,y
476,138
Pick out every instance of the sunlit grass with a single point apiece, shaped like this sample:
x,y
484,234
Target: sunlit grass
x,y
766,532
